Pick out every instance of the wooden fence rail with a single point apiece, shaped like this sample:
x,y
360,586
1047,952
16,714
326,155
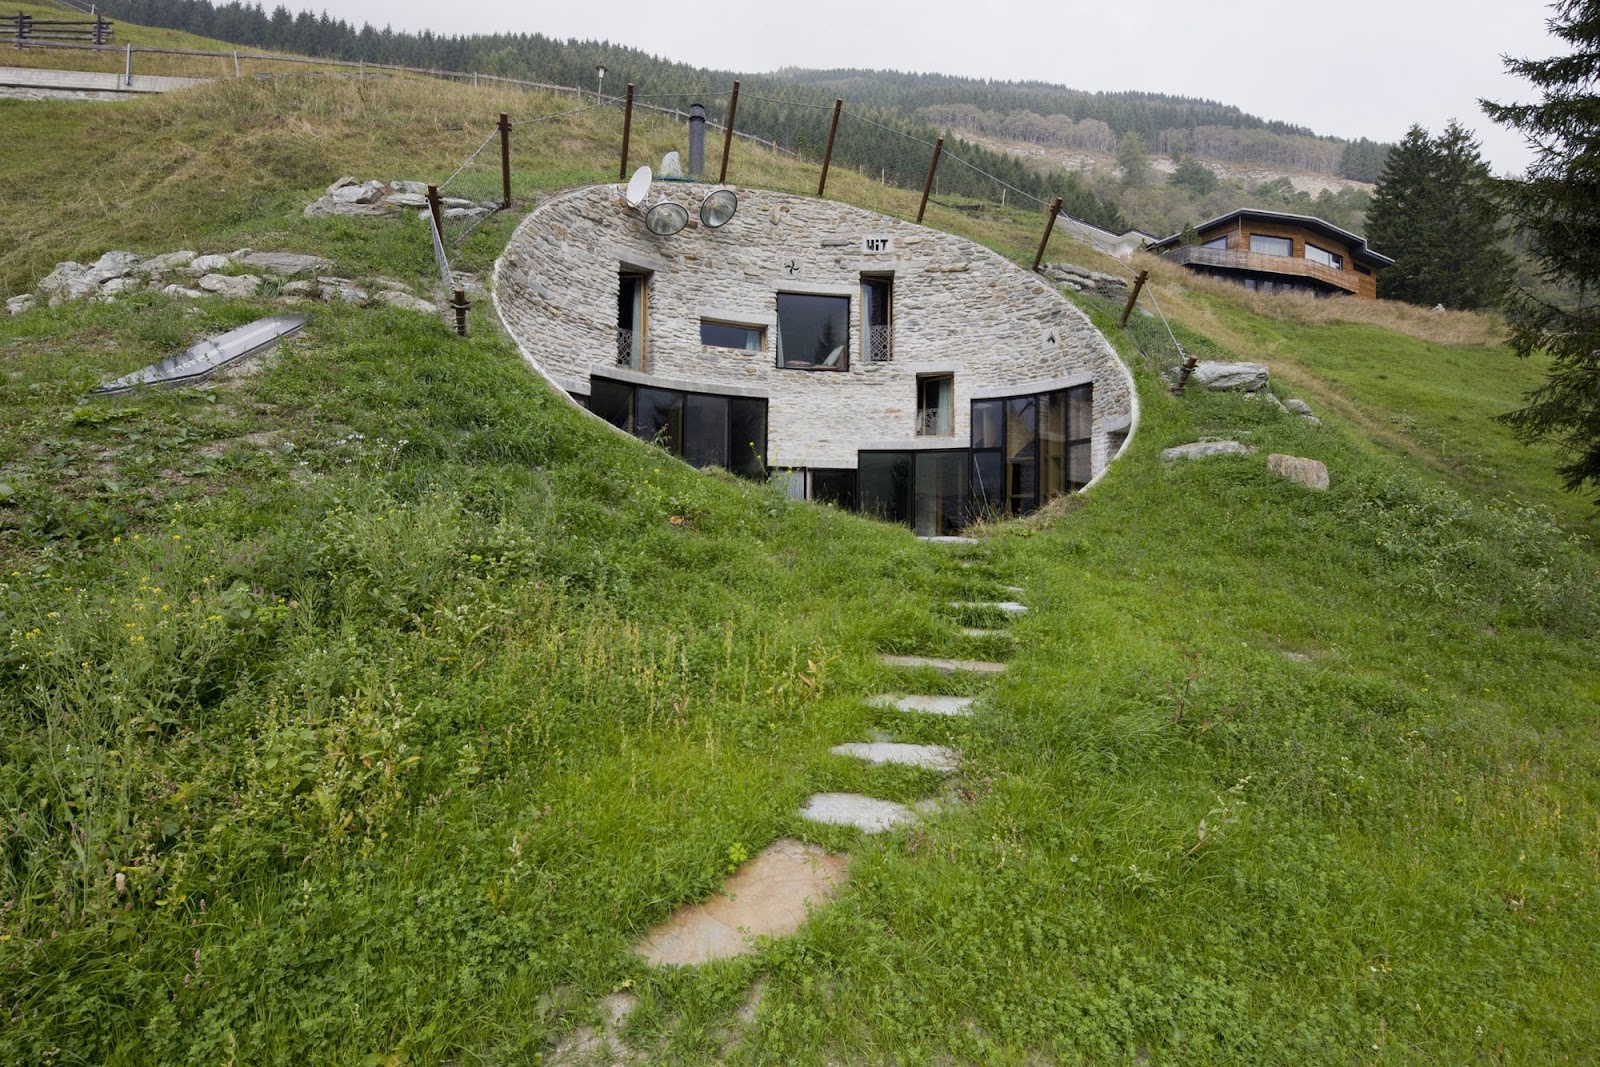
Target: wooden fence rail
x,y
22,27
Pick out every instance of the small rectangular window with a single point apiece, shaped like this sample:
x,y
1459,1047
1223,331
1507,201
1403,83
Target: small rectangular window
x,y
727,335
1325,257
877,317
935,404
1216,242
1264,244
813,332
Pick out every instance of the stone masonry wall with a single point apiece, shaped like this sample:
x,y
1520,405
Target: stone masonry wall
x,y
957,307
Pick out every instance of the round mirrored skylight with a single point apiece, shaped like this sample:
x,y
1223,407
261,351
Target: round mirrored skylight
x,y
666,219
718,207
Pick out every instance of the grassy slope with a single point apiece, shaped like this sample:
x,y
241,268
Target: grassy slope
x,y
400,735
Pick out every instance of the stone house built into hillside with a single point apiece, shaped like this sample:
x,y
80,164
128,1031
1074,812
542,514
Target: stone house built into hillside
x,y
858,358
1274,251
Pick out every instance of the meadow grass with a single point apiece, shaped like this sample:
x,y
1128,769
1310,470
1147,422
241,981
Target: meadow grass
x,y
367,704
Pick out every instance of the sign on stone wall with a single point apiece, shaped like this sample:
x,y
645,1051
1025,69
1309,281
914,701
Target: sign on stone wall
x,y
877,242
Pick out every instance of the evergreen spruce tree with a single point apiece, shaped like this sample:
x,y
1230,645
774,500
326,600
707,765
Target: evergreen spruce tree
x,y
1557,205
1434,213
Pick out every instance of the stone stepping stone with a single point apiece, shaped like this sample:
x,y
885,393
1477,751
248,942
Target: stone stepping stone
x,y
950,540
925,705
1015,590
1009,607
928,757
973,631
944,666
867,814
768,897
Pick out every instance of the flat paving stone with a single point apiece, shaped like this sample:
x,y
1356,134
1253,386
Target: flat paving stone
x,y
944,666
928,757
867,814
768,897
1010,607
949,540
925,705
973,631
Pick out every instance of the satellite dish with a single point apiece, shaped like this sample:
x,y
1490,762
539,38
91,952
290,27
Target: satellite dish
x,y
638,187
666,218
718,207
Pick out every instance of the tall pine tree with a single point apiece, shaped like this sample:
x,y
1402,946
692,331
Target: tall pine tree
x,y
1434,213
1557,205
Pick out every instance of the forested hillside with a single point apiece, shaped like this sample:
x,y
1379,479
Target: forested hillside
x,y
791,106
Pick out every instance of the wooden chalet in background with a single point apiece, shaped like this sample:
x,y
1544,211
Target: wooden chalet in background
x,y
1277,252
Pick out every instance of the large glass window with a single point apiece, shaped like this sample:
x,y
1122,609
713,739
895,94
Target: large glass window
x,y
1027,449
727,335
1267,245
813,331
706,429
1325,257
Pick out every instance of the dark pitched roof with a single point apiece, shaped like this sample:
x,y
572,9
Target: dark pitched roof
x,y
1357,243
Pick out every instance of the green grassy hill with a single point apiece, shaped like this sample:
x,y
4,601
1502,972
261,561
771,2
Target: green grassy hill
x,y
366,705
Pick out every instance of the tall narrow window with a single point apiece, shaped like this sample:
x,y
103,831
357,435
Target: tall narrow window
x,y
877,317
631,289
935,404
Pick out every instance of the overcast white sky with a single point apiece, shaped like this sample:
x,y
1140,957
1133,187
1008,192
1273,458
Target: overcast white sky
x,y
1358,68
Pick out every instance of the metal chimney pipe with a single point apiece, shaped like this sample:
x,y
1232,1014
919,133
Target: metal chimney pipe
x,y
697,139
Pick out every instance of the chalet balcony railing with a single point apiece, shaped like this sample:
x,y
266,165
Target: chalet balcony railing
x,y
1229,259
880,344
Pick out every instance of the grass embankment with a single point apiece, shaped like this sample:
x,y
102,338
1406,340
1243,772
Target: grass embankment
x,y
368,706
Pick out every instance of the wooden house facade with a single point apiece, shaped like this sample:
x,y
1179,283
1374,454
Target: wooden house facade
x,y
1274,251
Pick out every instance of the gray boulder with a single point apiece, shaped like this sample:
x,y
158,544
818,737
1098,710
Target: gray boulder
x,y
414,188
237,286
69,281
1311,473
18,304
185,291
1230,377
395,298
299,289
208,264
168,261
1299,407
366,193
285,263
348,179
1202,449
404,200
112,265
118,285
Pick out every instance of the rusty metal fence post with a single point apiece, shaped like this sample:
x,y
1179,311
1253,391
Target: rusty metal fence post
x,y
827,156
460,306
505,160
727,137
1049,228
627,133
933,168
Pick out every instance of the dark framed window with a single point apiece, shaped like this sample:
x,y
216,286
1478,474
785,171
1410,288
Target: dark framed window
x,y
632,288
877,317
834,486
1028,449
936,404
1325,257
1216,242
705,429
1268,245
813,332
927,490
728,335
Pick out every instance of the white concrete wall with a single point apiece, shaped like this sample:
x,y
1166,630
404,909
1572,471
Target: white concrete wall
x,y
958,308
